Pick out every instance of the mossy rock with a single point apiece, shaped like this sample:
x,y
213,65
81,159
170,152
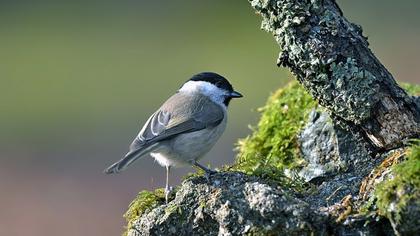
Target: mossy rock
x,y
273,145
395,193
398,197
144,201
232,203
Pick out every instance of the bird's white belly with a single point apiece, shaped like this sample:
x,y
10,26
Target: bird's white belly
x,y
184,148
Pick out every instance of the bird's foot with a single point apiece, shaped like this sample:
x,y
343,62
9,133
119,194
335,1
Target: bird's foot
x,y
207,171
208,174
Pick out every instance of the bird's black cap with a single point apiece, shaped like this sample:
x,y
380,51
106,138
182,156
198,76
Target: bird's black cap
x,y
213,78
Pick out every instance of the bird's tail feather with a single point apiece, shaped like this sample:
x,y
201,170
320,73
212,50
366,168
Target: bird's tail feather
x,y
129,158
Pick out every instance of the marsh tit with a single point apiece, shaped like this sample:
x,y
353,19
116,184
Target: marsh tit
x,y
185,127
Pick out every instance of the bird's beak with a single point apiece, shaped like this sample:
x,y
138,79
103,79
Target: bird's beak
x,y
235,94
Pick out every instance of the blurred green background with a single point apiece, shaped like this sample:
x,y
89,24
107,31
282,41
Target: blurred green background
x,y
78,79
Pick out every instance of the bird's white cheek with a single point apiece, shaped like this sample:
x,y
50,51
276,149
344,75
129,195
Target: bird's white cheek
x,y
209,90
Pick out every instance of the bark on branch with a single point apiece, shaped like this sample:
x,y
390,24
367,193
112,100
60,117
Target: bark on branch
x,y
331,58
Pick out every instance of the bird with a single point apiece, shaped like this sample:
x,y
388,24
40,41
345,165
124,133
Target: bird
x,y
185,127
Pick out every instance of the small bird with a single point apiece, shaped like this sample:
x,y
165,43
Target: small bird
x,y
185,127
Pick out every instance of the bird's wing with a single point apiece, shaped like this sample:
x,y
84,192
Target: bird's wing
x,y
180,114
188,114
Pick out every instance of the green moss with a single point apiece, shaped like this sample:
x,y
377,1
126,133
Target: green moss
x,y
393,195
366,208
144,201
273,146
412,89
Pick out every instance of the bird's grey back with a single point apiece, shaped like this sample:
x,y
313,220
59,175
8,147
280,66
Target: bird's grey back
x,y
181,113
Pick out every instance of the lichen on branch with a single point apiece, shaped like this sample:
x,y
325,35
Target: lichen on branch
x,y
331,58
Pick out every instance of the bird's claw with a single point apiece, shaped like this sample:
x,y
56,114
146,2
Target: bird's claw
x,y
208,174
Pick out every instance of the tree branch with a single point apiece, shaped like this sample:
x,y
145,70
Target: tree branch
x,y
331,58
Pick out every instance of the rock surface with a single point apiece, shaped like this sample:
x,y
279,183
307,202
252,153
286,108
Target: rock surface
x,y
231,204
236,204
318,145
335,159
329,149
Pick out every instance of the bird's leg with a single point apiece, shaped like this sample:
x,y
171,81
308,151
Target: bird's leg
x,y
168,189
207,171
